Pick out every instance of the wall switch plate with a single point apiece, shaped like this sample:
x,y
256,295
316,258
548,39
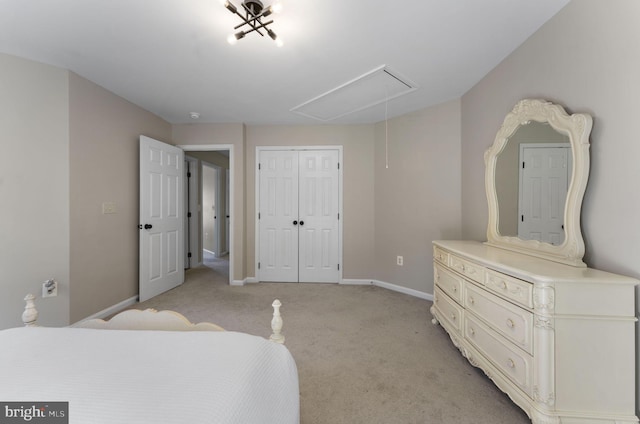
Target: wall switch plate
x,y
400,261
50,288
109,207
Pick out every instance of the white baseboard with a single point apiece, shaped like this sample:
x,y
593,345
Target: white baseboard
x,y
356,282
248,280
113,309
405,290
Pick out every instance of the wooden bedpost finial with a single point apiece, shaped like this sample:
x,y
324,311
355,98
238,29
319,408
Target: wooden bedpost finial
x,y
30,314
276,323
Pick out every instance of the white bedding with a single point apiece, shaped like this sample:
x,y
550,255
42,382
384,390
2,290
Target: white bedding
x,y
120,376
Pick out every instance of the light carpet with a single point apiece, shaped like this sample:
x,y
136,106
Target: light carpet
x,y
364,354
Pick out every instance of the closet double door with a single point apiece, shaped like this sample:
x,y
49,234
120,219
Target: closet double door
x,y
298,216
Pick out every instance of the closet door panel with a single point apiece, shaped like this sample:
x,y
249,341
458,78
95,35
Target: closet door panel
x,y
278,210
319,207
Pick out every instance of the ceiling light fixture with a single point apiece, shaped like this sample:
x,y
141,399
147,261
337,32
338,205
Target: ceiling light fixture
x,y
252,19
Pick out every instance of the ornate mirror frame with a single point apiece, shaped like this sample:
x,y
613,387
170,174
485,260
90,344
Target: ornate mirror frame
x,y
578,128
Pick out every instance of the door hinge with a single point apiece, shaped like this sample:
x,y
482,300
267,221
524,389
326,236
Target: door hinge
x,y
259,167
188,214
258,265
189,255
338,165
258,215
522,165
338,216
522,218
338,267
188,174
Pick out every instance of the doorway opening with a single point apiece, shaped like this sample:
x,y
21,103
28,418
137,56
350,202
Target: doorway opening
x,y
210,208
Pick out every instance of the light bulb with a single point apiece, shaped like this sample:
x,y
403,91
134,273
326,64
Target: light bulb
x,y
279,42
231,39
277,7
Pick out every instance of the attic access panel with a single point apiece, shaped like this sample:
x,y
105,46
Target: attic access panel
x,y
370,89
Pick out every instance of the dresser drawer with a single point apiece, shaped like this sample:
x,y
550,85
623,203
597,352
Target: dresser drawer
x,y
441,256
449,282
512,322
466,268
515,364
512,288
448,310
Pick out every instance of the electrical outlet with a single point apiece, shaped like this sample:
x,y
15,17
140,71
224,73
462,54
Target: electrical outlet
x,y
50,288
109,207
400,261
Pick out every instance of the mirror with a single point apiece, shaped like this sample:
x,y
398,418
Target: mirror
x,y
532,180
536,175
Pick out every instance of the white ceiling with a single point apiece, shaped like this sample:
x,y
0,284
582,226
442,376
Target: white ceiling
x,y
171,57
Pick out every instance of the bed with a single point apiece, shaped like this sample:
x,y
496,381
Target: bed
x,y
151,367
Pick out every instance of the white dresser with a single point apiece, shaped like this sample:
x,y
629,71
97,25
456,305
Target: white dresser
x,y
558,339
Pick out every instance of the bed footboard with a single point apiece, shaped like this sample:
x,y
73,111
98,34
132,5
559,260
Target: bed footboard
x,y
276,323
30,314
150,319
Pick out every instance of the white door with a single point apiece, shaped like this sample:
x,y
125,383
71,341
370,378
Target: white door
x,y
278,216
543,192
298,219
161,221
318,216
191,213
227,211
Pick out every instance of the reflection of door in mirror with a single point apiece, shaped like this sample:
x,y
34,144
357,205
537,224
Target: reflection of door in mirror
x,y
544,180
508,184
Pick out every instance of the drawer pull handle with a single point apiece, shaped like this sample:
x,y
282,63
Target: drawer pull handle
x,y
472,300
453,316
503,285
455,289
472,331
511,363
510,323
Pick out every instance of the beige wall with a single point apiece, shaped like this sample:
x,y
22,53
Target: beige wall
x,y
231,134
358,155
104,167
417,198
585,59
34,189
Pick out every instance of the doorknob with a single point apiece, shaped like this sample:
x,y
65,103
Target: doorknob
x,y
301,223
295,222
148,226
